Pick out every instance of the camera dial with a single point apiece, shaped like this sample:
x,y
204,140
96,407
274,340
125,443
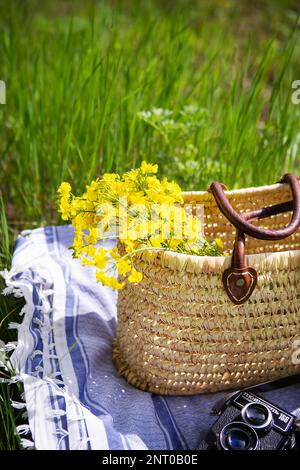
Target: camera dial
x,y
238,436
258,416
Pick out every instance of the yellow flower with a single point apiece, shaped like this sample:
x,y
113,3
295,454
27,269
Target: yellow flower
x,y
87,262
192,229
101,277
142,229
92,192
64,189
173,243
158,197
135,276
132,234
130,179
124,266
156,242
138,198
92,238
115,284
148,168
75,206
129,245
143,212
90,250
64,208
153,184
172,190
114,253
108,281
100,258
219,243
64,192
78,242
110,177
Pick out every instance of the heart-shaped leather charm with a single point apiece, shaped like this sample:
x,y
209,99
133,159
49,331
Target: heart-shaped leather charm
x,y
239,283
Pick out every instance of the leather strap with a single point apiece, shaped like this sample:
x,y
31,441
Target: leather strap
x,y
240,280
242,223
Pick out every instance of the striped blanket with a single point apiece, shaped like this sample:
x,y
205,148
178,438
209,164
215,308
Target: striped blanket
x,y
73,395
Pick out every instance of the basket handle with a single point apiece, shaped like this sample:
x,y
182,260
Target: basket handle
x,y
240,280
243,225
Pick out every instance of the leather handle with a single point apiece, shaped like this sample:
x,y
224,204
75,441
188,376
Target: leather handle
x,y
242,223
240,280
238,260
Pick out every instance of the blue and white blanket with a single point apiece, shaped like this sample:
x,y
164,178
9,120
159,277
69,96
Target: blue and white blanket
x,y
74,397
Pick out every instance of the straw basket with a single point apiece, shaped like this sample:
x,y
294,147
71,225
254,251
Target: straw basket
x,y
202,324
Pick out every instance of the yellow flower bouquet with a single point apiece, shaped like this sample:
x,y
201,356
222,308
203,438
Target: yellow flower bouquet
x,y
141,211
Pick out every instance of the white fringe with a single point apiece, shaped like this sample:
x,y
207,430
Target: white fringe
x,y
23,310
82,444
39,369
27,444
38,322
11,346
35,353
15,291
8,290
23,429
48,292
46,329
26,233
17,404
14,325
56,413
15,379
63,433
58,382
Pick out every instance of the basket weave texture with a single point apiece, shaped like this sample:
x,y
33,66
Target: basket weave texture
x,y
178,333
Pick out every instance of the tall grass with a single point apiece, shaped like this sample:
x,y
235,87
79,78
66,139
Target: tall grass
x,y
76,82
79,74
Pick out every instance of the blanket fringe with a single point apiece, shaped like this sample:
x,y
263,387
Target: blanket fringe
x,y
8,347
14,325
27,444
18,405
23,429
54,378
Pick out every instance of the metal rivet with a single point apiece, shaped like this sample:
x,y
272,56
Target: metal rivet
x,y
240,282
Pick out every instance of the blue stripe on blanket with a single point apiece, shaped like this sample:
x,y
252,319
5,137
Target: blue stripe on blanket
x,y
96,409
167,422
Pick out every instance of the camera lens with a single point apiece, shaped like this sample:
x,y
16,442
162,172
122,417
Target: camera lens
x,y
238,440
258,416
238,436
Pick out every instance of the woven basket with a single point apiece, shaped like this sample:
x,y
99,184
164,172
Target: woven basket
x,y
178,331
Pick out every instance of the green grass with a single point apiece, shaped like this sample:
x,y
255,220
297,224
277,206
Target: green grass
x,y
79,73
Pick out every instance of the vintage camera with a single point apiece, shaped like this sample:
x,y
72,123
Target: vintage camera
x,y
248,422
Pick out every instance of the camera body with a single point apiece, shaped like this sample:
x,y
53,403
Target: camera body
x,y
248,422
